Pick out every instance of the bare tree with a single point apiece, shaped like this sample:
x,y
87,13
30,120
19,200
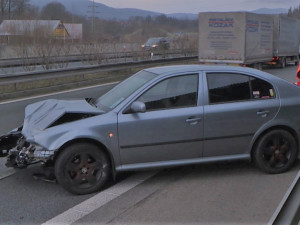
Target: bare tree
x,y
3,8
55,11
17,9
61,51
294,12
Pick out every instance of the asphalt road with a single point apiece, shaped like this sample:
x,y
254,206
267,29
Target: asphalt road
x,y
216,194
234,193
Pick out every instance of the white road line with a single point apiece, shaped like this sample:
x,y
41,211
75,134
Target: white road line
x,y
77,212
4,171
55,93
7,173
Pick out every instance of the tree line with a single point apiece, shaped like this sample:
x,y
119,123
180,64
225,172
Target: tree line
x,y
17,9
294,12
134,29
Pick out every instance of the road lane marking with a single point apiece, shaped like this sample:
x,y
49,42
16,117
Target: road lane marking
x,y
77,212
4,171
56,93
7,173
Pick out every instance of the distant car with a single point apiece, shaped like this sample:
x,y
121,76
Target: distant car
x,y
162,117
159,43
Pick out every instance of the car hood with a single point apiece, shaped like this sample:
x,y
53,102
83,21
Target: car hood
x,y
41,115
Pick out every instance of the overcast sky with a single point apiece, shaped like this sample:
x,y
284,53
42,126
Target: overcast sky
x,y
195,6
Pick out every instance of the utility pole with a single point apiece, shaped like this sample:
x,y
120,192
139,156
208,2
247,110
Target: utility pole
x,y
93,11
9,9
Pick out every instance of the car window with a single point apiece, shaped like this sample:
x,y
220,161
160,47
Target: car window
x,y
261,89
229,87
226,87
181,91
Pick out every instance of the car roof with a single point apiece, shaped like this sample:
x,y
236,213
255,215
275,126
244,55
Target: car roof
x,y
164,70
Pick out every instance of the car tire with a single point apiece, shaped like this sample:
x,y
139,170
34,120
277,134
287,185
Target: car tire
x,y
276,151
283,63
82,168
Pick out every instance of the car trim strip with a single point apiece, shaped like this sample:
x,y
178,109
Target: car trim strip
x,y
185,141
171,163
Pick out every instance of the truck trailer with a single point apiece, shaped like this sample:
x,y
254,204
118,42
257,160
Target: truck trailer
x,y
247,39
286,35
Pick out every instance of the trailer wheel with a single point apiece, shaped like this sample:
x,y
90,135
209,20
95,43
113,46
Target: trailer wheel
x,y
283,63
257,66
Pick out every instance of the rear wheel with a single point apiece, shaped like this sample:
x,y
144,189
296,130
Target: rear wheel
x,y
82,168
276,151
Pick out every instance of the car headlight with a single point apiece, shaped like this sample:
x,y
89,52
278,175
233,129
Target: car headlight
x,y
42,153
154,46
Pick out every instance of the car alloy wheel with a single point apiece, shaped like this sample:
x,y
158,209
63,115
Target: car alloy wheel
x,y
82,168
276,151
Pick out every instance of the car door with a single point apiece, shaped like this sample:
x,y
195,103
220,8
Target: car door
x,y
237,106
170,129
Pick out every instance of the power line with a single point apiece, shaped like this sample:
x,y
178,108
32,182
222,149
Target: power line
x,y
93,6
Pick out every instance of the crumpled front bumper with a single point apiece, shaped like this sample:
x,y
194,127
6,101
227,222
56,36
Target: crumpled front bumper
x,y
20,153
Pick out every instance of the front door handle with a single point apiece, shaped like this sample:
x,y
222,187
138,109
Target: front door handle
x,y
193,121
263,113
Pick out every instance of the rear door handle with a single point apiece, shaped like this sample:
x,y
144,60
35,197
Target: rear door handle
x,y
193,121
263,113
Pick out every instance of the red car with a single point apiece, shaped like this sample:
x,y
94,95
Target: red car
x,y
298,76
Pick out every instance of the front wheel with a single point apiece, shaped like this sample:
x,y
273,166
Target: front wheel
x,y
82,168
276,151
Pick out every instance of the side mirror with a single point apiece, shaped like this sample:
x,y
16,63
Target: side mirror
x,y
138,107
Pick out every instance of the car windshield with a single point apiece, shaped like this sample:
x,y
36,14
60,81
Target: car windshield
x,y
123,90
152,41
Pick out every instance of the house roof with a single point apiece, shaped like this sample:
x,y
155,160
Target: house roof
x,y
74,30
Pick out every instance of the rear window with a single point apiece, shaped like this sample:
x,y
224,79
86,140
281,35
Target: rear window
x,y
230,87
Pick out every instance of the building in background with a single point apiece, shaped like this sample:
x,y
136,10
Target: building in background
x,y
74,30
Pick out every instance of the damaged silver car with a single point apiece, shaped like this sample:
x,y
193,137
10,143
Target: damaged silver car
x,y
161,117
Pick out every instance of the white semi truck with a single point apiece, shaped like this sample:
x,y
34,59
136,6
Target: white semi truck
x,y
248,39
